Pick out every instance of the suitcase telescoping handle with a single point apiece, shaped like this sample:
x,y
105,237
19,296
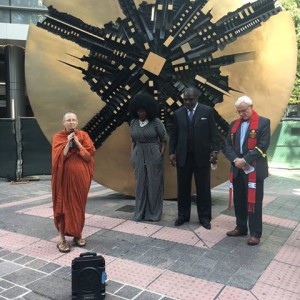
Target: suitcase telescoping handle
x,y
88,254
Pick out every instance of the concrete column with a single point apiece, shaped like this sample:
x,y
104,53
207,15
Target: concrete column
x,y
15,85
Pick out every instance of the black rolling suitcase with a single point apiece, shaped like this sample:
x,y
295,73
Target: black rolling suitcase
x,y
88,277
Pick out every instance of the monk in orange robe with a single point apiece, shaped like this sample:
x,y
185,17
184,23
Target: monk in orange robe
x,y
72,172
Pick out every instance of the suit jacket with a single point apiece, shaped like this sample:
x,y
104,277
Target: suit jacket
x,y
250,155
205,133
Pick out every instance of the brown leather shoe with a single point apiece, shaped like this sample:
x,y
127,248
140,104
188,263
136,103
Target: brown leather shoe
x,y
253,241
236,232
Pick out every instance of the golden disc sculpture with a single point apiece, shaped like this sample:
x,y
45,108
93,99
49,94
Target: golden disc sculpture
x,y
92,57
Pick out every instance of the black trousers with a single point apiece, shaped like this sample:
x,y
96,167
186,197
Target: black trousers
x,y
240,200
184,185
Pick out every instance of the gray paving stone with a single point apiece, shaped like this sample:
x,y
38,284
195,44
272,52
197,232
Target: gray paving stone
x,y
140,248
271,246
148,296
150,242
213,254
235,258
163,263
8,267
191,269
56,288
156,261
49,268
113,286
113,297
128,292
244,279
37,263
228,243
34,296
197,251
295,214
278,239
14,292
282,232
64,273
230,261
256,264
268,230
223,272
4,252
198,261
176,251
113,244
133,254
24,260
264,258
5,284
24,276
228,212
12,256
270,211
26,224
161,257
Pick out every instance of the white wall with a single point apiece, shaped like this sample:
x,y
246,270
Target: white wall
x,y
13,32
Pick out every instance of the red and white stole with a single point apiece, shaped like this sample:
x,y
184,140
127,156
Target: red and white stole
x,y
252,142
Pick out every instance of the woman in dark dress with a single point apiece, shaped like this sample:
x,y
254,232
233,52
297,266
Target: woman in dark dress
x,y
149,140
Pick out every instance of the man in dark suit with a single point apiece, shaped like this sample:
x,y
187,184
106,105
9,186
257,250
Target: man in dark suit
x,y
193,145
245,147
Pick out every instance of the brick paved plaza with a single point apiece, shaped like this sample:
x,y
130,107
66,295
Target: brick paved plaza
x,y
152,261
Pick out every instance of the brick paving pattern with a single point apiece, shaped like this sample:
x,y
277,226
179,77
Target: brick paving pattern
x,y
146,260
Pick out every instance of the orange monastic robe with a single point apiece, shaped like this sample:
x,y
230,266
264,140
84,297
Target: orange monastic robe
x,y
71,180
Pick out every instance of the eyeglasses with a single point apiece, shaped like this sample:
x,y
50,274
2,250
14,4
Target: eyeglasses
x,y
242,111
188,99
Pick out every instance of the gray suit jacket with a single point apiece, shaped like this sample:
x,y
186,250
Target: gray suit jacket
x,y
263,141
204,128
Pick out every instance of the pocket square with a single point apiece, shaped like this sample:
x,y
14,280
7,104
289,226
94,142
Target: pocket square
x,y
203,118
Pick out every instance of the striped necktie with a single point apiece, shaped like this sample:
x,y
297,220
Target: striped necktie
x,y
190,114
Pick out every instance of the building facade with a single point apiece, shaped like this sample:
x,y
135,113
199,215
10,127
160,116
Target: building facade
x,y
15,17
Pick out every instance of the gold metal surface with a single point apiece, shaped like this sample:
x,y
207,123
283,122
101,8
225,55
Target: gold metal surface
x,y
154,63
53,88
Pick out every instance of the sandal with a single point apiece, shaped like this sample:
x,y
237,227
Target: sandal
x,y
63,247
79,242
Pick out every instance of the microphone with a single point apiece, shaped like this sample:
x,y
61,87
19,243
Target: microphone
x,y
71,141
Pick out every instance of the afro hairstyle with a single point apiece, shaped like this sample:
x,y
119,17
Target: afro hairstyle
x,y
146,102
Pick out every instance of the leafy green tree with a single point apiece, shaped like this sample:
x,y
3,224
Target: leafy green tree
x,y
294,7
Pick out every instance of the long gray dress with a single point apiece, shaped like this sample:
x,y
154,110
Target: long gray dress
x,y
148,168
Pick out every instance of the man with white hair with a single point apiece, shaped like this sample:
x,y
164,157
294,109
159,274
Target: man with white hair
x,y
245,147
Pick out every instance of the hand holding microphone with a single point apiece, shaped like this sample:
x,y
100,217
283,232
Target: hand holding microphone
x,y
71,141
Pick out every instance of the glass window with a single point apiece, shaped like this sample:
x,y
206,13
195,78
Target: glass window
x,y
27,3
25,17
292,111
5,16
4,2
